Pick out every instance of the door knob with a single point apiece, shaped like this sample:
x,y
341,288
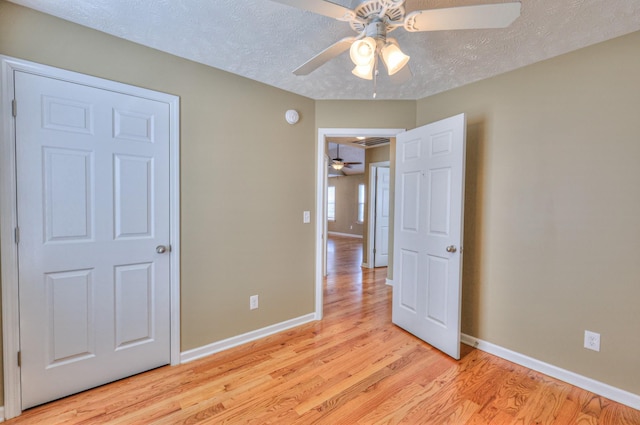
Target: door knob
x,y
161,249
451,248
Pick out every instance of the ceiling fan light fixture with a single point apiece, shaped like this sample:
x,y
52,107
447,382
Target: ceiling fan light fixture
x,y
364,71
393,58
363,51
337,166
372,20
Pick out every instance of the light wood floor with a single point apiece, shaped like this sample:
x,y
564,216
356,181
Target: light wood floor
x,y
353,367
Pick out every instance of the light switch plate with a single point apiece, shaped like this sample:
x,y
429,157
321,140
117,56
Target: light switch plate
x,y
306,217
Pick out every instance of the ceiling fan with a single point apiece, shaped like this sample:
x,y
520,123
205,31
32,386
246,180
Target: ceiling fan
x,y
338,163
374,19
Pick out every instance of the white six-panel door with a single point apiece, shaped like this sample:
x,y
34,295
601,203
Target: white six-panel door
x,y
93,206
429,194
381,245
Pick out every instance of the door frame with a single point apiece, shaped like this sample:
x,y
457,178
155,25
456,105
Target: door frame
x,y
373,199
9,217
321,180
325,212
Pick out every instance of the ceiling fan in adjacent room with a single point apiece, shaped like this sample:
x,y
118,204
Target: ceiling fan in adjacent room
x,y
338,163
372,20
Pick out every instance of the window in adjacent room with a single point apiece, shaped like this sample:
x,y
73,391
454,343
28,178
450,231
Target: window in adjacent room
x,y
331,203
361,203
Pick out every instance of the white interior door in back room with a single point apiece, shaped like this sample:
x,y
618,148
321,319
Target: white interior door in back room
x,y
382,217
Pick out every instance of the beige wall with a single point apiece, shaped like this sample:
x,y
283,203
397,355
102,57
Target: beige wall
x,y
552,206
377,154
242,230
346,205
552,220
365,114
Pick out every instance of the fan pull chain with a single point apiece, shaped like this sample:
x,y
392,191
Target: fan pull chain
x,y
375,77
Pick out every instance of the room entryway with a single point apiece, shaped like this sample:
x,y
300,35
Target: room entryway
x,y
321,202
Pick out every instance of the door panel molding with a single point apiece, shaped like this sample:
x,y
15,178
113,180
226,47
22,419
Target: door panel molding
x,y
8,211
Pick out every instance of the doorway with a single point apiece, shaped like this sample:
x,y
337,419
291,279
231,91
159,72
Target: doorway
x,y
321,184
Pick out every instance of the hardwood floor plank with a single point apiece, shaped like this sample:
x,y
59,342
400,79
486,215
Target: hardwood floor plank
x,y
370,393
353,379
353,367
394,407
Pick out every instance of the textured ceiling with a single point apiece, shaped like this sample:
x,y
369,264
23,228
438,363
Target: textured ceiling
x,y
265,41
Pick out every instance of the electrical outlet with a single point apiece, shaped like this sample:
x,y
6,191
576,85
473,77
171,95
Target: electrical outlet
x,y
592,340
253,302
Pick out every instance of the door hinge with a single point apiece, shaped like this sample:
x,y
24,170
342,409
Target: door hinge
x,y
14,108
19,358
374,250
16,235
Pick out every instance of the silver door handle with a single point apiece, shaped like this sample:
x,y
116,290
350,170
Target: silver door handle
x,y
451,248
161,249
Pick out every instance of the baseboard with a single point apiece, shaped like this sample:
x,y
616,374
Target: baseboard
x,y
365,265
597,387
388,282
1,413
216,347
348,235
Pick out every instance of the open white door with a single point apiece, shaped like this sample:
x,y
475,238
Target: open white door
x,y
381,245
429,196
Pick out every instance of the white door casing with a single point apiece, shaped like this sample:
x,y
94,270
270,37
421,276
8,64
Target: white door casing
x,y
381,246
325,223
429,196
96,185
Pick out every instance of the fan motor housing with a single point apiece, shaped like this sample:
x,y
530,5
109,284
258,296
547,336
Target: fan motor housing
x,y
369,10
378,31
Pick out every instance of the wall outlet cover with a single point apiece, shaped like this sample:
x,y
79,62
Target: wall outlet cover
x,y
592,340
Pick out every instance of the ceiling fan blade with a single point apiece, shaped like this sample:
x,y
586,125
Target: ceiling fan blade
x,y
499,15
347,164
325,56
322,7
